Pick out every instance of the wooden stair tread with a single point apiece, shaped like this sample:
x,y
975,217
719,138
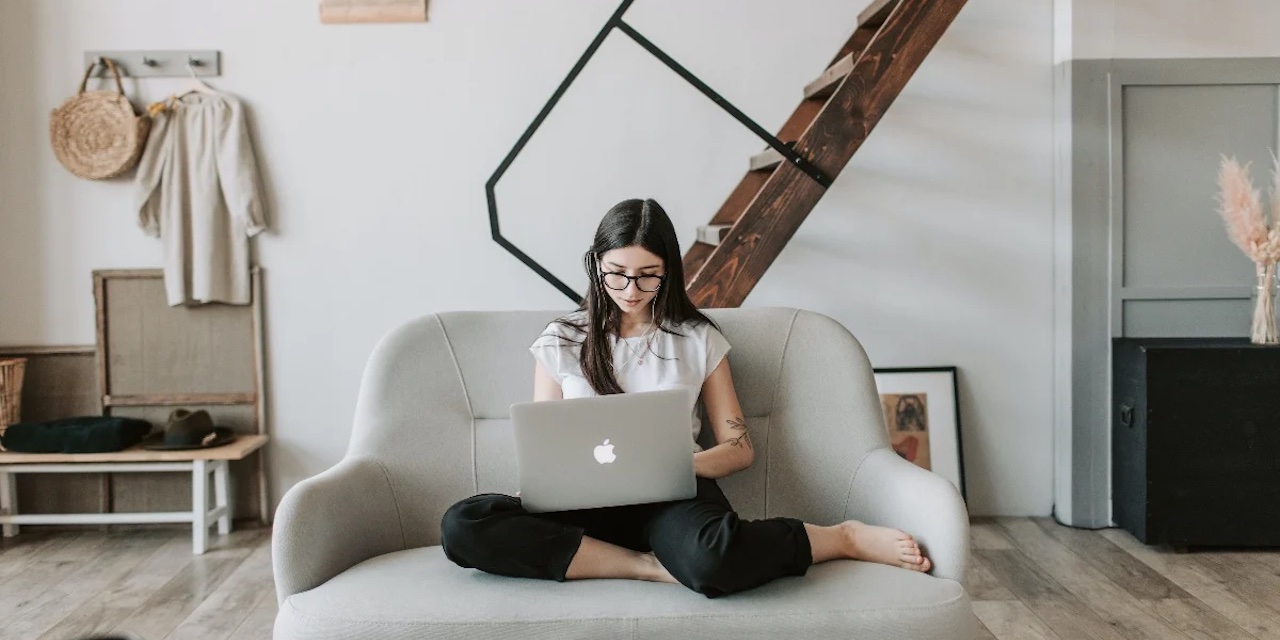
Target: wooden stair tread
x,y
840,109
731,270
876,13
861,37
694,258
713,234
766,160
879,75
826,83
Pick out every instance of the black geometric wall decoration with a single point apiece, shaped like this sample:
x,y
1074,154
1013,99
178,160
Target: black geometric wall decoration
x,y
616,22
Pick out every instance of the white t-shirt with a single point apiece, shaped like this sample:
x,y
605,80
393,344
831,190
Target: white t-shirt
x,y
672,360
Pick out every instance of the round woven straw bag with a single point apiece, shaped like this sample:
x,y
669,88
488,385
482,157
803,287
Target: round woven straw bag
x,y
96,134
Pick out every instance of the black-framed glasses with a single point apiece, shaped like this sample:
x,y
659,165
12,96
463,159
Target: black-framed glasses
x,y
620,281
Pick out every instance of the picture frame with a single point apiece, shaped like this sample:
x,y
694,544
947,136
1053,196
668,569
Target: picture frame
x,y
921,408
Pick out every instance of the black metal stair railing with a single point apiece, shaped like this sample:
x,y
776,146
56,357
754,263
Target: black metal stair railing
x,y
616,22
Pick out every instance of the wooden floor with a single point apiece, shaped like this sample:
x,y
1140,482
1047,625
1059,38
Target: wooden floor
x,y
1030,578
74,584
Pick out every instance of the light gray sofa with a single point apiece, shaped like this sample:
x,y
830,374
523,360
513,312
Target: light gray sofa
x,y
355,549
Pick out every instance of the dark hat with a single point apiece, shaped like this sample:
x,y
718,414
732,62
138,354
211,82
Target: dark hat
x,y
189,430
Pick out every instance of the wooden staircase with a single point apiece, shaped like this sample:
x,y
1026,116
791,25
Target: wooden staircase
x,y
839,110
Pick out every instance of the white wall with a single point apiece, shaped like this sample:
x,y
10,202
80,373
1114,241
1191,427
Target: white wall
x,y
934,246
1174,28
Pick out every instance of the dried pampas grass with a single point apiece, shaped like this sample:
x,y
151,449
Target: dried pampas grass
x,y
1241,208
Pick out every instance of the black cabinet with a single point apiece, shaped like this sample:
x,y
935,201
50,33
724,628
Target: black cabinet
x,y
1195,441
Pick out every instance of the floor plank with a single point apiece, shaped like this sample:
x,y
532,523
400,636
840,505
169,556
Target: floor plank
x,y
983,632
260,622
18,549
1113,605
116,557
1198,621
1046,597
177,598
101,615
1201,584
982,585
985,533
35,574
1126,571
1012,620
1254,582
223,611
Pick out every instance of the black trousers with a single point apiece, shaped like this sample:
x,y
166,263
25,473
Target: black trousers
x,y
701,541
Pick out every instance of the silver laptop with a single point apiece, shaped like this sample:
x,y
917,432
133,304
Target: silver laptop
x,y
604,451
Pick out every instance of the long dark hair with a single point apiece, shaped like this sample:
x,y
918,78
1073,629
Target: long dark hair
x,y
630,223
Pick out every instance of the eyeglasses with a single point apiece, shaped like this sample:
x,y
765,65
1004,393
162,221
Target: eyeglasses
x,y
620,281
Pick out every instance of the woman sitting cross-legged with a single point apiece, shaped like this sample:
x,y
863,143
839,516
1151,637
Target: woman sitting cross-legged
x,y
637,330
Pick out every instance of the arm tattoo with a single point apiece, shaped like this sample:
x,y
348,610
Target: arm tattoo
x,y
744,440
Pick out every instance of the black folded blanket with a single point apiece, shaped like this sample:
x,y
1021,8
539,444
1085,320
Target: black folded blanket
x,y
87,434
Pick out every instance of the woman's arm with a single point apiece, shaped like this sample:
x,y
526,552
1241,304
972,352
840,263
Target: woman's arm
x,y
545,386
733,452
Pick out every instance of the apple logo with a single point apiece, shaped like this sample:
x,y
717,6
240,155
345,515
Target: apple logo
x,y
604,453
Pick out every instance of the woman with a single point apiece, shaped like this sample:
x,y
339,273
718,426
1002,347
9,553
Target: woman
x,y
637,330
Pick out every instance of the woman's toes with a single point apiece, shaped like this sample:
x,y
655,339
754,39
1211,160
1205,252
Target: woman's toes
x,y
916,565
925,566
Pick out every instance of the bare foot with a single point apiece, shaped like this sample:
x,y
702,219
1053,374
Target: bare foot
x,y
654,571
883,545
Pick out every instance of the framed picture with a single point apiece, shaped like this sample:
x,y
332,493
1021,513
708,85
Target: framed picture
x,y
922,413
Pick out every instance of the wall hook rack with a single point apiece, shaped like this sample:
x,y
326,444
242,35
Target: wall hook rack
x,y
157,64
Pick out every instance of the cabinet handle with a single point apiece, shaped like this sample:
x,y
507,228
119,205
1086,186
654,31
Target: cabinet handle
x,y
1126,415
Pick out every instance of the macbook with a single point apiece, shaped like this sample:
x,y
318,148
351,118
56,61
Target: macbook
x,y
604,451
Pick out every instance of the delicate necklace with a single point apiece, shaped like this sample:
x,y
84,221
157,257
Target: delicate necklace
x,y
638,354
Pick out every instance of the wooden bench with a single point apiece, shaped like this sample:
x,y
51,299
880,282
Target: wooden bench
x,y
200,462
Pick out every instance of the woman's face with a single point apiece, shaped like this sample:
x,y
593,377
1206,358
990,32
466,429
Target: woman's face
x,y
634,295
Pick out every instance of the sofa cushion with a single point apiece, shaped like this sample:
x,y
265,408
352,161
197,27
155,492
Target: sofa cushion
x,y
419,593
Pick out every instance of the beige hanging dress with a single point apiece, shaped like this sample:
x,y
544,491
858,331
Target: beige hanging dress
x,y
198,190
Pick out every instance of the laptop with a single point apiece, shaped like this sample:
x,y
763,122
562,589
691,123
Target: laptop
x,y
604,451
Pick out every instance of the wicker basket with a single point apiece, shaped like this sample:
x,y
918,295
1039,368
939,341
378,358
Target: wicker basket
x,y
11,370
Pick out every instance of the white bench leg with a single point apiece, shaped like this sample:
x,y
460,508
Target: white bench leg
x,y
199,507
9,500
222,496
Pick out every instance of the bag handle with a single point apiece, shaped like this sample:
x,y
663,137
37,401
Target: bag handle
x,y
110,65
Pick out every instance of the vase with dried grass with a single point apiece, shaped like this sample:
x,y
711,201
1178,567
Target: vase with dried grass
x,y
1248,227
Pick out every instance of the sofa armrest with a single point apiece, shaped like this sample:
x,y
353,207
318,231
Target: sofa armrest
x,y
889,491
331,522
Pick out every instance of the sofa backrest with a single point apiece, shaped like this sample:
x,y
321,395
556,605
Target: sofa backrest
x,y
434,410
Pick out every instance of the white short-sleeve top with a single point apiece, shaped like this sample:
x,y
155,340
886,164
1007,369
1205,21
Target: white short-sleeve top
x,y
681,359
